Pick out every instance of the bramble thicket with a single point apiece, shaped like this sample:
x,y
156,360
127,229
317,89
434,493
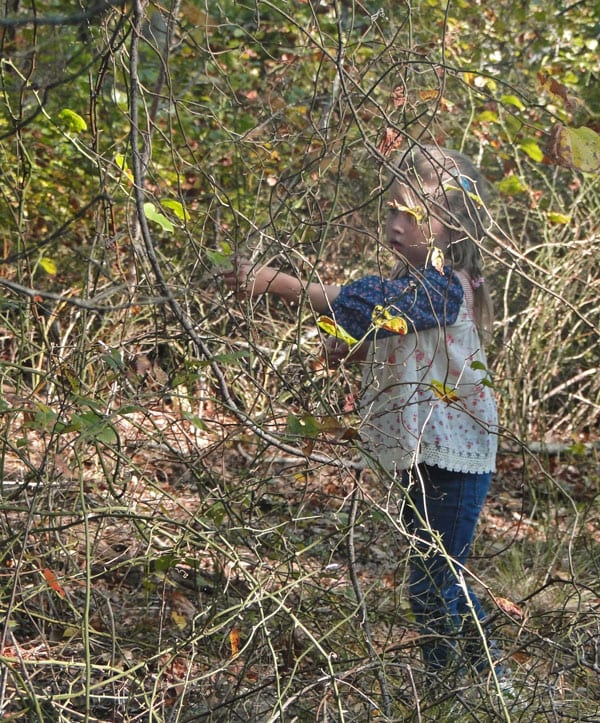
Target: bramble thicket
x,y
186,533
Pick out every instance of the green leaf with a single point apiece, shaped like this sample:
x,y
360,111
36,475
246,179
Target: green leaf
x,y
512,100
121,161
577,148
48,265
94,426
153,215
511,186
226,358
114,360
487,116
47,420
555,217
220,257
196,421
73,121
304,426
177,207
531,147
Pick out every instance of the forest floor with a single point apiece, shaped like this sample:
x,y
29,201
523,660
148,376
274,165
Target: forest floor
x,y
195,576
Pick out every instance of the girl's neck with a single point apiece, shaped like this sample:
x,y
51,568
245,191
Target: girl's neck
x,y
400,269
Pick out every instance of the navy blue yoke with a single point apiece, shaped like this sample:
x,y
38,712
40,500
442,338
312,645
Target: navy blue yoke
x,y
425,298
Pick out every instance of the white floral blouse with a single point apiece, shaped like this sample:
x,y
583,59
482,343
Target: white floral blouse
x,y
427,396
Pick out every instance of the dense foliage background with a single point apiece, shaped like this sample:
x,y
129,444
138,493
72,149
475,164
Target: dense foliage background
x,y
184,534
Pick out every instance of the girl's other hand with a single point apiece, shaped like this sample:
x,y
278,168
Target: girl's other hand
x,y
335,351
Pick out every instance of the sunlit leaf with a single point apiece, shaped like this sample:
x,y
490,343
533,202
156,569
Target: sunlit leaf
x,y
561,218
444,392
73,121
512,100
437,259
121,162
381,318
48,265
182,609
329,326
532,149
480,81
577,148
177,208
418,212
179,619
157,217
487,116
429,94
511,185
465,184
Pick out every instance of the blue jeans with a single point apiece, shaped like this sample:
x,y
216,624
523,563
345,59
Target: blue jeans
x,y
441,515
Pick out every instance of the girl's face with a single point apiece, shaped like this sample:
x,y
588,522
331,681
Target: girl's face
x,y
411,230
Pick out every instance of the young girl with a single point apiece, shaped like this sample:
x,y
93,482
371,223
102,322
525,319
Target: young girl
x,y
428,411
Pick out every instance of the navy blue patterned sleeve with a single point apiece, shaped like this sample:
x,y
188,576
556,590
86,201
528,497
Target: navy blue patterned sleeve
x,y
425,299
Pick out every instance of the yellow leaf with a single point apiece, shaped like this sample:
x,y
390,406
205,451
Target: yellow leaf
x,y
121,162
417,211
531,147
329,326
487,116
444,392
382,319
511,185
437,259
177,207
577,148
512,100
72,120
180,620
555,217
464,188
70,631
48,265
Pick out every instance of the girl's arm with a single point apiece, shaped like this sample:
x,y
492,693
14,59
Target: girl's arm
x,y
247,278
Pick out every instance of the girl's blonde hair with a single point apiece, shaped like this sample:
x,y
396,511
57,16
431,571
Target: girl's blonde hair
x,y
449,185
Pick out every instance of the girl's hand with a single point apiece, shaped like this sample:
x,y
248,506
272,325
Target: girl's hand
x,y
335,351
246,279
